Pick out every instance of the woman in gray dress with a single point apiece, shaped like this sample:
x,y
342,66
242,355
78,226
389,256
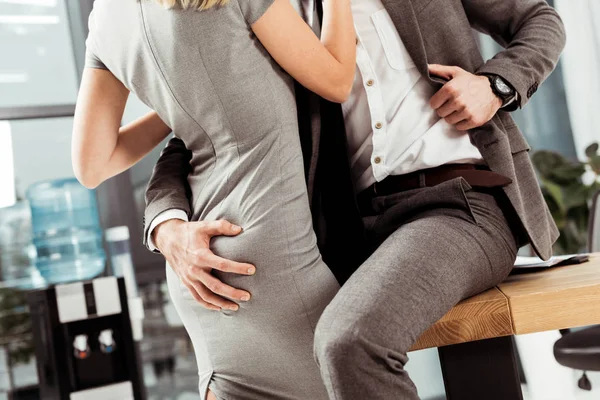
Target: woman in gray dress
x,y
216,72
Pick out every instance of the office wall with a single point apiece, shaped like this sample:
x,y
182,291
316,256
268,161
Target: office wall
x,y
581,61
42,149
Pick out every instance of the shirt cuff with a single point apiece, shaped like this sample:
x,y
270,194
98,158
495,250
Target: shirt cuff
x,y
162,217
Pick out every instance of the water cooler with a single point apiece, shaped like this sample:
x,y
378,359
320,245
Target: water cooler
x,y
85,346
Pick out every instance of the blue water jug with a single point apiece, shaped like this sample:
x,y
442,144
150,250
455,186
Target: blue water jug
x,y
66,231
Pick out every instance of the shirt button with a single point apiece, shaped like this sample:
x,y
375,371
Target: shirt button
x,y
378,125
377,160
370,82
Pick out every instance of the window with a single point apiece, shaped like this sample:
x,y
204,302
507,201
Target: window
x,y
37,66
42,43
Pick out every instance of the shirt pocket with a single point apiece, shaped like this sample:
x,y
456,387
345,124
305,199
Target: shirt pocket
x,y
392,44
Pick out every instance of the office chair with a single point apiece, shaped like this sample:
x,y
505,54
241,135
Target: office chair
x,y
581,349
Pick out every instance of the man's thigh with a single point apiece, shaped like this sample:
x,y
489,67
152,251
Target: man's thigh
x,y
423,269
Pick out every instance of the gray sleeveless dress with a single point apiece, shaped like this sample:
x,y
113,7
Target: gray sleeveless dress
x,y
214,84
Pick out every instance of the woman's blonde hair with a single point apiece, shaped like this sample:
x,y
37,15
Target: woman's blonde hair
x,y
194,4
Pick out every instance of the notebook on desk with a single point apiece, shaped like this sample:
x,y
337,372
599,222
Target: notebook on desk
x,y
534,264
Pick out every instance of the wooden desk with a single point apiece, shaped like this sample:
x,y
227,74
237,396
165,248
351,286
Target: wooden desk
x,y
480,317
475,337
563,297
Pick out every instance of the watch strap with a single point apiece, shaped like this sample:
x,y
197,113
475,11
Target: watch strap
x,y
507,100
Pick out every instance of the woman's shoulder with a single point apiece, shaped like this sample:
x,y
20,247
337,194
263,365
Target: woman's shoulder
x,y
254,9
112,27
107,15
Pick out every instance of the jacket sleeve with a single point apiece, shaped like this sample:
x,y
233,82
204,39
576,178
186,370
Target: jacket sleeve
x,y
533,37
168,187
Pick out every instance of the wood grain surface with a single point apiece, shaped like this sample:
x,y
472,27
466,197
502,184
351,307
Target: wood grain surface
x,y
561,297
480,317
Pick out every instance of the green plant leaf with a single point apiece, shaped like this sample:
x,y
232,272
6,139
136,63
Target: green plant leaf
x,y
568,173
595,163
579,216
575,240
547,161
558,215
592,150
576,195
555,192
566,195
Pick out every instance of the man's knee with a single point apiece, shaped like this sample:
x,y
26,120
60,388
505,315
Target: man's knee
x,y
334,330
344,331
343,343
333,341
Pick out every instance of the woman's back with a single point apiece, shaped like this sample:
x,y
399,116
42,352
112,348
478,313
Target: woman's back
x,y
204,72
216,86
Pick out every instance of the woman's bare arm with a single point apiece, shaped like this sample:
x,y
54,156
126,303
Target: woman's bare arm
x,y
100,148
327,66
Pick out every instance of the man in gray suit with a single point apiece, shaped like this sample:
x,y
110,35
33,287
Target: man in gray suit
x,y
421,186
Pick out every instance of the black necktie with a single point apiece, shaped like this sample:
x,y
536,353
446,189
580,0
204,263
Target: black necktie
x,y
345,245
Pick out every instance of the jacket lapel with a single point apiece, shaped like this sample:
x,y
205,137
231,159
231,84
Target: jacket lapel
x,y
405,20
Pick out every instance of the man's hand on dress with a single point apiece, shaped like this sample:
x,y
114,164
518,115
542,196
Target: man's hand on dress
x,y
467,100
186,247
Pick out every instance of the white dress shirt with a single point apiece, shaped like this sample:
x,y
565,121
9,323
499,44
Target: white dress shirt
x,y
162,217
391,128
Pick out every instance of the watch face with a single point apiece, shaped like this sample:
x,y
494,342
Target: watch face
x,y
502,87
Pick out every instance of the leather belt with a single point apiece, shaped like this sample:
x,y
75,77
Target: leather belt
x,y
478,176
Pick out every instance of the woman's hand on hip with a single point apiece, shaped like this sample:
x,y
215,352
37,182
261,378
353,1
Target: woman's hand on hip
x,y
186,247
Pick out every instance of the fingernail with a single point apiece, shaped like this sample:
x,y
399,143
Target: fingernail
x,y
233,308
237,228
251,270
245,297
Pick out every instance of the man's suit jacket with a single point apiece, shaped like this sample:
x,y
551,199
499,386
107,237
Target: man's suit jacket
x,y
434,32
